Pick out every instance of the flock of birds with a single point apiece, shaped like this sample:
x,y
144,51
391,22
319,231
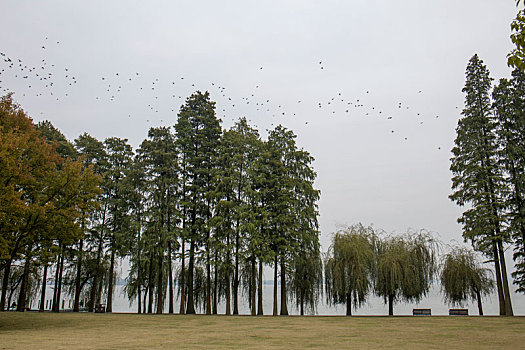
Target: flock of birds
x,y
47,79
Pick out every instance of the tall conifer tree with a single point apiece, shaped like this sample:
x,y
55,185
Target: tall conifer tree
x,y
477,178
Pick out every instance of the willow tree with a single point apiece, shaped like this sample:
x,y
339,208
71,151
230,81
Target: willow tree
x,y
349,266
478,179
463,278
405,268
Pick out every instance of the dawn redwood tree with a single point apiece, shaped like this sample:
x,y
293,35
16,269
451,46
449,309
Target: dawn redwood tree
x,y
92,153
463,278
478,180
509,110
158,156
349,266
119,157
198,131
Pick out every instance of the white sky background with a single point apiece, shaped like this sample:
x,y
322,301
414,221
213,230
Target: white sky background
x,y
380,52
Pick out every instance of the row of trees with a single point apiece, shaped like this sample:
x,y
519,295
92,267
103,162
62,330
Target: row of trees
x,y
195,210
488,167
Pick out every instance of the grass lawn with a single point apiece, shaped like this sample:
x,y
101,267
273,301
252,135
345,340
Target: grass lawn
x,y
129,331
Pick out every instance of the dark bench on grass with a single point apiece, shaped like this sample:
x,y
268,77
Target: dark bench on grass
x,y
458,312
421,312
100,308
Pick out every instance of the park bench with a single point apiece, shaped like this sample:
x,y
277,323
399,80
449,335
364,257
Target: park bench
x,y
100,308
421,312
458,312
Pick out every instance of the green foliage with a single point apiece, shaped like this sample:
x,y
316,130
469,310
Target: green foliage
x,y
516,58
405,266
477,179
463,278
349,265
509,107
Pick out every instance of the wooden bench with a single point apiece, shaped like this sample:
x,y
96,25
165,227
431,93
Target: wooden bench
x,y
458,312
100,308
421,312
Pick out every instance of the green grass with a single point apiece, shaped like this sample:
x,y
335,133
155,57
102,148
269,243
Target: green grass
x,y
128,331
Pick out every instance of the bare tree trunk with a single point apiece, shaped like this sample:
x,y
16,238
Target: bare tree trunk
x,y
182,282
215,285
160,288
301,302
208,276
253,286
260,311
43,292
55,287
60,274
5,283
150,285
480,306
109,305
228,281
390,305
236,273
499,284
284,305
22,295
349,304
190,308
275,287
170,280
76,304
506,291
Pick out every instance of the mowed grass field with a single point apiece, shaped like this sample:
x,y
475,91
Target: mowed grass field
x,y
129,331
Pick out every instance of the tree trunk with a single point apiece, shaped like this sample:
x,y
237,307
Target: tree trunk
x,y
275,287
92,295
260,311
284,305
170,280
228,281
215,284
301,302
5,283
349,304
144,301
480,306
55,287
22,295
182,282
150,285
76,304
139,298
43,292
236,273
253,286
190,309
499,284
391,305
60,274
208,275
506,290
160,288
109,304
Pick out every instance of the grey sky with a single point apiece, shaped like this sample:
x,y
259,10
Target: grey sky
x,y
380,52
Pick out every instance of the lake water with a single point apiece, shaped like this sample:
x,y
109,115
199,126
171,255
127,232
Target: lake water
x,y
375,305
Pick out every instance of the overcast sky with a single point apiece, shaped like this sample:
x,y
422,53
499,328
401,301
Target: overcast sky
x,y
386,74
